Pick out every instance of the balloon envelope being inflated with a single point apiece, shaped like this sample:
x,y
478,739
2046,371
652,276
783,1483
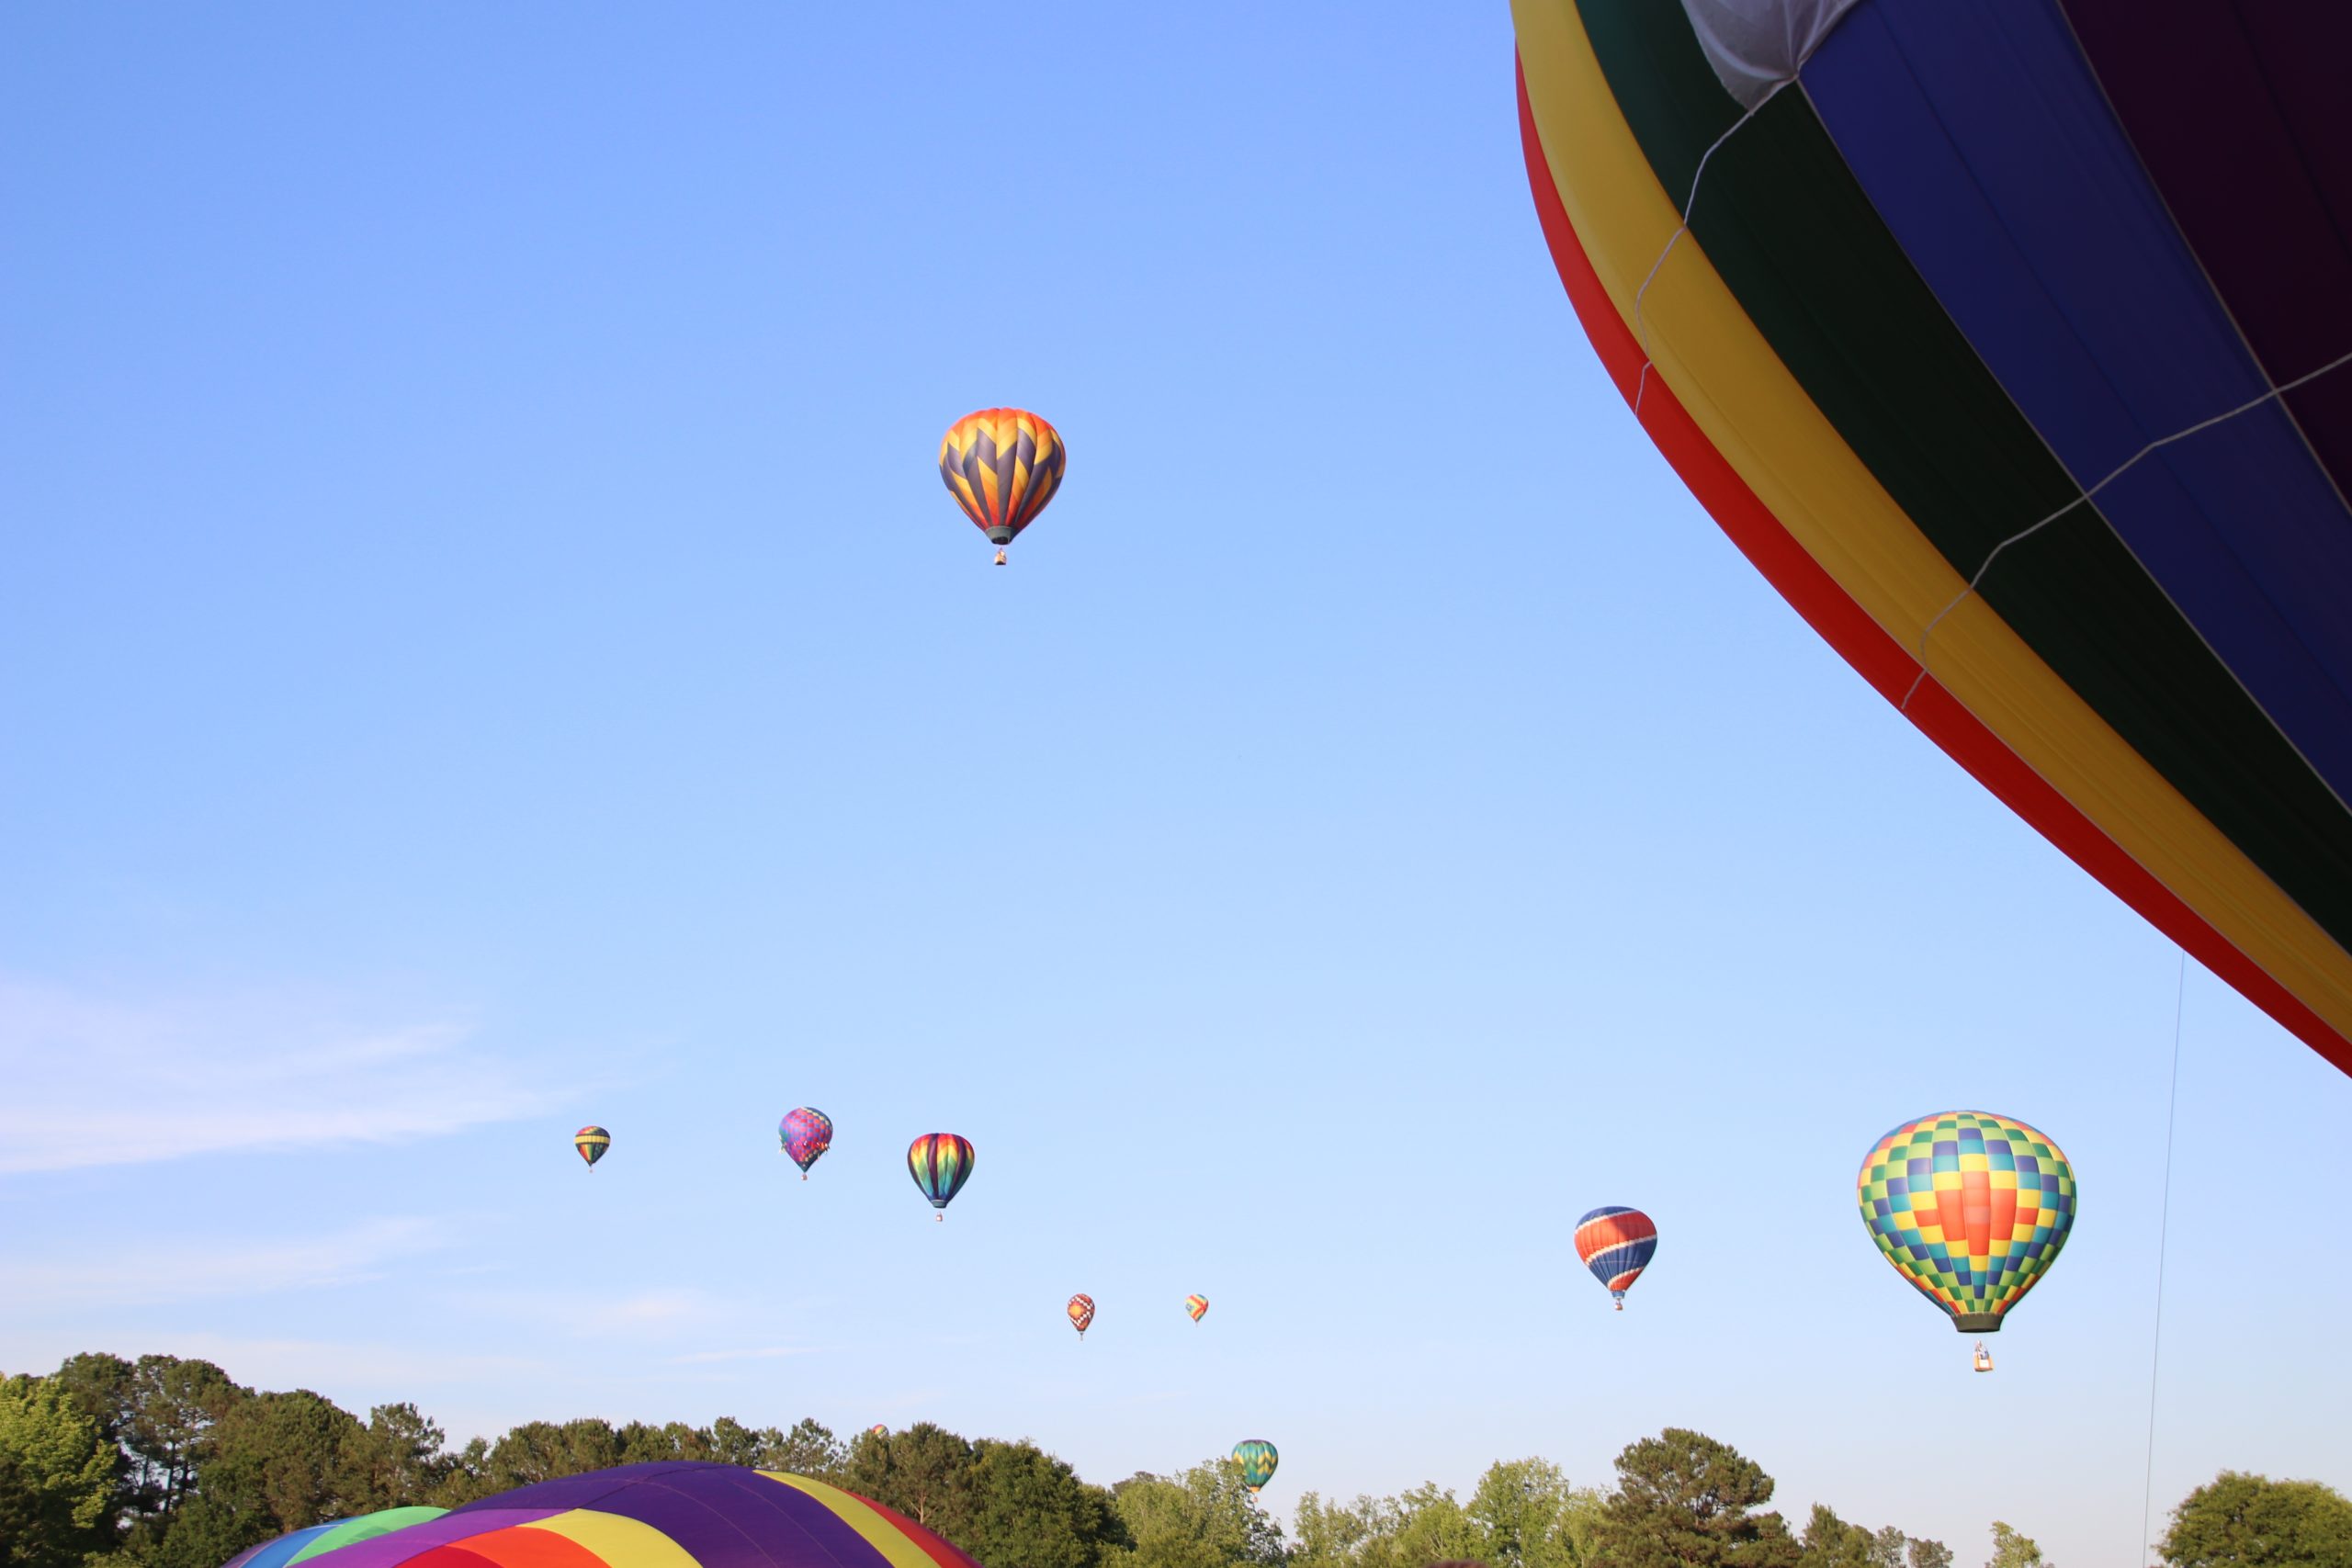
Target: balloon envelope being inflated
x,y
667,1515
300,1546
1970,346
1970,1208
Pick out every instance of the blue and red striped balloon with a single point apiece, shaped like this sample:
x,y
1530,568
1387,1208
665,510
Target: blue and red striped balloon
x,y
1616,1243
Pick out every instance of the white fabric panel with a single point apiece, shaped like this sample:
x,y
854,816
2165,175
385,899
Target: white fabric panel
x,y
1755,44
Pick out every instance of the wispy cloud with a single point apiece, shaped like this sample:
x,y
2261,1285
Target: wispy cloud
x,y
95,1083
762,1353
581,1312
167,1272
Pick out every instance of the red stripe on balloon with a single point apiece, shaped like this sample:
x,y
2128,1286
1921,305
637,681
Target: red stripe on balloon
x,y
1863,644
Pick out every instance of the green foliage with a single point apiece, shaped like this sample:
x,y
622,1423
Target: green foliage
x,y
394,1461
1686,1501
1523,1515
1010,1504
1030,1511
2011,1549
57,1476
1203,1517
923,1473
1830,1543
2251,1521
1928,1554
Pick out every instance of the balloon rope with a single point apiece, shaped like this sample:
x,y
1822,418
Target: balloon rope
x,y
1641,324
1920,649
2164,1231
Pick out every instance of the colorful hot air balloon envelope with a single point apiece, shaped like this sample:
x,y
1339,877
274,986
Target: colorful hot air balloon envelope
x,y
941,1163
591,1143
1970,1208
1257,1459
667,1513
1198,1306
2010,348
807,1134
1002,466
300,1546
878,1430
1616,1243
1081,1314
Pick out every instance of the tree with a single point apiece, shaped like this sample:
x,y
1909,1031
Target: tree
x,y
1830,1543
1928,1554
923,1473
160,1412
2011,1549
542,1451
1531,1516
1686,1501
395,1460
1887,1547
57,1476
1203,1517
1028,1509
279,1458
2251,1521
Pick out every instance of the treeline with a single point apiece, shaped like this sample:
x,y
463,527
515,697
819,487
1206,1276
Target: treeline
x,y
168,1463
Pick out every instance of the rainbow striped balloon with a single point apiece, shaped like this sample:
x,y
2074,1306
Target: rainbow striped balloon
x,y
1197,1305
300,1546
1616,1243
668,1515
941,1163
591,1143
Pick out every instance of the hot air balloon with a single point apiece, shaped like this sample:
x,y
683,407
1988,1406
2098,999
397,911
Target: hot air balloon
x,y
1616,1243
878,1430
1257,1459
673,1514
1003,466
807,1134
302,1545
941,1163
1970,1208
1198,1306
1081,1314
591,1143
2012,348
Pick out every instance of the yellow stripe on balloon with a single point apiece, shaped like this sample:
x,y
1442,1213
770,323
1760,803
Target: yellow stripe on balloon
x,y
616,1539
1753,412
858,1515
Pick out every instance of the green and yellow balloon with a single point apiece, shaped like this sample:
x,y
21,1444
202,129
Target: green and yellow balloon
x,y
1257,1459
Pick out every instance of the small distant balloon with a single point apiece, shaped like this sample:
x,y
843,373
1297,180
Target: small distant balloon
x,y
1970,1208
807,1133
1081,1314
1002,466
591,1143
1197,1305
878,1430
941,1163
1616,1243
1258,1459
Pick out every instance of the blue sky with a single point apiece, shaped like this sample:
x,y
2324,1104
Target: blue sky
x,y
485,649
